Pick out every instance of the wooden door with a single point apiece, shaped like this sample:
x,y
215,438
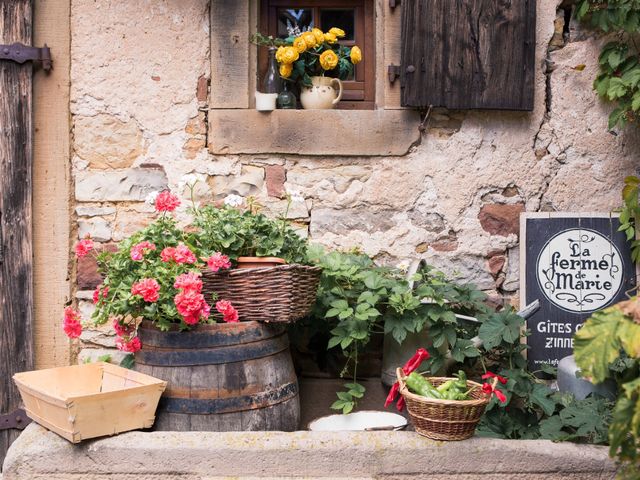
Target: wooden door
x,y
16,297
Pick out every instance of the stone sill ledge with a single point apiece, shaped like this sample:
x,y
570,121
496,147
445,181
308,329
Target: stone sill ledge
x,y
39,454
313,132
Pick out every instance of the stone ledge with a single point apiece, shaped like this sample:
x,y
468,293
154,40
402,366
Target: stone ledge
x,y
313,132
39,454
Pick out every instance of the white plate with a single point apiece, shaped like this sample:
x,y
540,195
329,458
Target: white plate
x,y
359,421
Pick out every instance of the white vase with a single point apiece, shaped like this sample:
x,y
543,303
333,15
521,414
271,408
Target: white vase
x,y
324,93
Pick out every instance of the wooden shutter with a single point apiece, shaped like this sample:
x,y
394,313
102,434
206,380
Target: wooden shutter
x,y
464,54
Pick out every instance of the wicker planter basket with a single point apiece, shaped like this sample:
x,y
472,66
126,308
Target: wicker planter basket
x,y
444,419
282,294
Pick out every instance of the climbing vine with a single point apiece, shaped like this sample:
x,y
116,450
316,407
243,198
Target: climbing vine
x,y
619,78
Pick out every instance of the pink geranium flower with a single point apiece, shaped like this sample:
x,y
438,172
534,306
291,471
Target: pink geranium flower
x,y
188,281
83,247
229,313
72,325
184,255
179,254
218,261
139,250
191,304
167,201
148,288
100,293
131,345
122,330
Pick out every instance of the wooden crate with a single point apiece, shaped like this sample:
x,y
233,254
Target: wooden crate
x,y
91,400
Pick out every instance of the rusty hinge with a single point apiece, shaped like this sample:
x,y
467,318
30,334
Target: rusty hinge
x,y
21,53
17,419
393,71
394,3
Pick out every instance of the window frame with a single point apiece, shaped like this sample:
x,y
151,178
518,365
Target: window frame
x,y
365,81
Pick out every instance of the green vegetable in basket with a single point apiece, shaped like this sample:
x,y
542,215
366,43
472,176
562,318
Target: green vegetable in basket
x,y
455,389
419,385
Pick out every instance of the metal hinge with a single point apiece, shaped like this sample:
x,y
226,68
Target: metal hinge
x,y
17,419
20,53
393,72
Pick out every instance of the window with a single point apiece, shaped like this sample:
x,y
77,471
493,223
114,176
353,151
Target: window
x,y
355,17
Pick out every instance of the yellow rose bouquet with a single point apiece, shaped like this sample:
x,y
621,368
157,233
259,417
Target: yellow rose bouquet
x,y
313,53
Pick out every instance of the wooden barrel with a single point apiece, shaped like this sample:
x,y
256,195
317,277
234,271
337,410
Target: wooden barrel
x,y
222,377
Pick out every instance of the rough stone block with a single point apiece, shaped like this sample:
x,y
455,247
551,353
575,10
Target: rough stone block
x,y
97,228
512,276
92,211
120,185
501,219
340,221
106,142
92,355
275,176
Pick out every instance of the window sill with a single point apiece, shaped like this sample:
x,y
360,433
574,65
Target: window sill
x,y
313,132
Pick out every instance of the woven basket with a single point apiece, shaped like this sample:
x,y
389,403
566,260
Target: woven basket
x,y
281,294
444,419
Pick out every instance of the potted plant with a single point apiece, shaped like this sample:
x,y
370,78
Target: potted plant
x,y
315,62
248,237
155,296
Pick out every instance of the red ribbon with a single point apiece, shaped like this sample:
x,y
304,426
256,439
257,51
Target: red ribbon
x,y
412,364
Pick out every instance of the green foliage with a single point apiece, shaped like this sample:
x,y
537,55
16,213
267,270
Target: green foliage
x,y
128,361
245,233
359,299
348,399
610,341
630,214
619,77
533,410
579,420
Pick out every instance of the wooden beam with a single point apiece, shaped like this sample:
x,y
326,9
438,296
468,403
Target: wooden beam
x,y
16,275
51,193
230,54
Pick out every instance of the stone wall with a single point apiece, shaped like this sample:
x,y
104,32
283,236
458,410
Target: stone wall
x,y
139,76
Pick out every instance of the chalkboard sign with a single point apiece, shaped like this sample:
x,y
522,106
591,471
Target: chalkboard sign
x,y
574,264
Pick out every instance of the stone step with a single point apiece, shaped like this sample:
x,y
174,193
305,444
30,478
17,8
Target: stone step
x,y
39,454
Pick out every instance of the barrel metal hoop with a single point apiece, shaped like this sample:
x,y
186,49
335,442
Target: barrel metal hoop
x,y
208,338
228,405
214,356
